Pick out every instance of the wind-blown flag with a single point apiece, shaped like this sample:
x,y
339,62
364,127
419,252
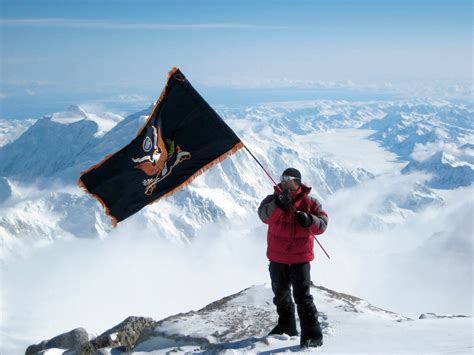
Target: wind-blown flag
x,y
182,137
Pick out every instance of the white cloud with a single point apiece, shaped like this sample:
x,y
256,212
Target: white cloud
x,y
422,152
3,96
26,60
350,83
145,274
112,25
126,274
126,98
22,82
30,92
444,89
429,89
402,269
277,83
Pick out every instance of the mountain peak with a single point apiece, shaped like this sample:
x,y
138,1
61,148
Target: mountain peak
x,y
240,322
73,114
76,109
105,120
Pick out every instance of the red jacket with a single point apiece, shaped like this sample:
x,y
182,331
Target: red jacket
x,y
287,241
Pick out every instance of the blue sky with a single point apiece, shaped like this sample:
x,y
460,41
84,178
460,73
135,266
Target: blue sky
x,y
122,50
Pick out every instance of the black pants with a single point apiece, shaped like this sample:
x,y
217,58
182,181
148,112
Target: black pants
x,y
298,276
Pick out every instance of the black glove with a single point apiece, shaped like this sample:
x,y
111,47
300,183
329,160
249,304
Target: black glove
x,y
283,201
303,219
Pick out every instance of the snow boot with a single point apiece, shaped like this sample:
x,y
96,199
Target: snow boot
x,y
285,328
286,322
311,334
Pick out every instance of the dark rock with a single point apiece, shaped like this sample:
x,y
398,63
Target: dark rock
x,y
122,337
437,316
70,340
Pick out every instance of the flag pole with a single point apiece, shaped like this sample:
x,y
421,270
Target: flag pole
x,y
320,245
278,187
266,172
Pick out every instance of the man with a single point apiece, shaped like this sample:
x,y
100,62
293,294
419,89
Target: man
x,y
293,217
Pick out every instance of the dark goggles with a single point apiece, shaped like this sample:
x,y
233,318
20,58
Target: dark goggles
x,y
285,178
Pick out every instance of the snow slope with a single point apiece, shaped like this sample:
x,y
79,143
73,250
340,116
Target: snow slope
x,y
53,143
240,322
11,129
105,120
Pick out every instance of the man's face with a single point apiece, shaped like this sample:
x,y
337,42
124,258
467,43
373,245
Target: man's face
x,y
290,185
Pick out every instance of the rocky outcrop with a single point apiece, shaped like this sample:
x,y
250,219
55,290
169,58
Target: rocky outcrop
x,y
122,337
434,315
72,340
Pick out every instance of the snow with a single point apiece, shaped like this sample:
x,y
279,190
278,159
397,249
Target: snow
x,y
104,120
362,152
452,161
388,231
349,325
411,337
73,114
11,129
52,351
220,197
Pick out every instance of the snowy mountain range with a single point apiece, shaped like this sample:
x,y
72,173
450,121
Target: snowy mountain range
x,y
56,148
394,176
241,322
451,171
429,136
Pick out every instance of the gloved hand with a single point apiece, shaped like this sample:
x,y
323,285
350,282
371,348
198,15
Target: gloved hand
x,y
303,219
283,201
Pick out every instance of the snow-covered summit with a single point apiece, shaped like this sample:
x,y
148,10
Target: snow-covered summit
x,y
251,313
46,148
105,120
73,114
241,322
55,143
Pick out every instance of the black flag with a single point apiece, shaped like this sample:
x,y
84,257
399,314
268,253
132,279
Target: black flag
x,y
182,137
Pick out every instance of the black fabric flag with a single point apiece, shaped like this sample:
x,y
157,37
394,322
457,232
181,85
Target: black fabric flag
x,y
182,137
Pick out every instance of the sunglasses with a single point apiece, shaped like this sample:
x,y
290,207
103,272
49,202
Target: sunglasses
x,y
285,178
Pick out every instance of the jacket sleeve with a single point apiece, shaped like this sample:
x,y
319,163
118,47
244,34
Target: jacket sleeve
x,y
319,217
268,210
